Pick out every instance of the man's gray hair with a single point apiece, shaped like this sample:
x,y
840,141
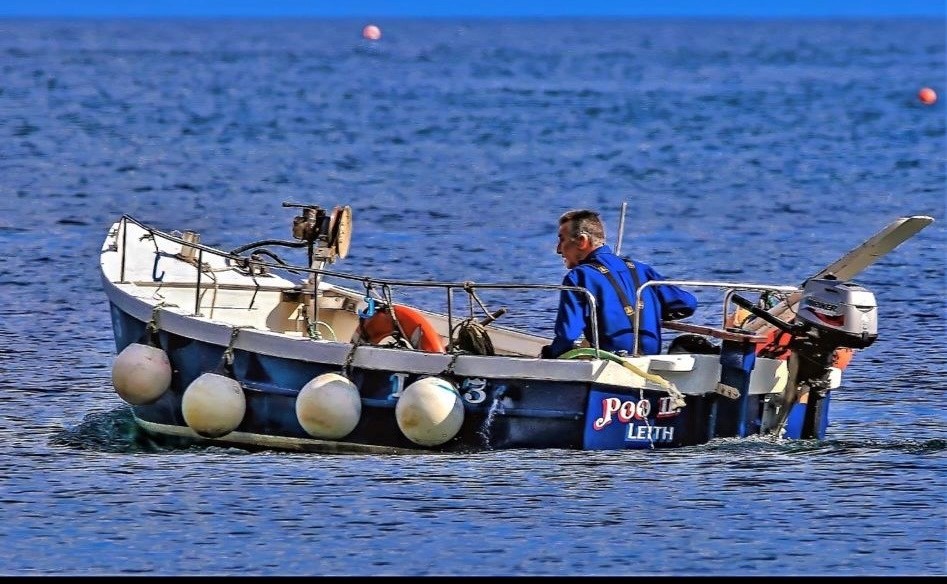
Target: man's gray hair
x,y
584,221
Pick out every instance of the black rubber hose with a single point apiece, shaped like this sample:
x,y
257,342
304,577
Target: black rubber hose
x,y
244,248
757,311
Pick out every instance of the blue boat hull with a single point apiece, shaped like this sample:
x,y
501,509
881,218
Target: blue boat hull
x,y
499,413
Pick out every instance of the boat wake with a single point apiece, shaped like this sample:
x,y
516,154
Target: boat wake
x,y
769,443
114,431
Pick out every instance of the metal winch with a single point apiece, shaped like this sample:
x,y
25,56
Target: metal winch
x,y
328,234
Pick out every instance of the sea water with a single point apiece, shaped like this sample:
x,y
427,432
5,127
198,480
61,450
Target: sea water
x,y
757,151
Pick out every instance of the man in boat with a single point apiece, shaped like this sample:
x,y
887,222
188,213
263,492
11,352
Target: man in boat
x,y
613,281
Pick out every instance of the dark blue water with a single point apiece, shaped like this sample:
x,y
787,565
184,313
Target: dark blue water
x,y
755,151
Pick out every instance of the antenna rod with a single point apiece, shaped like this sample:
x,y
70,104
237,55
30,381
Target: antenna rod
x,y
621,226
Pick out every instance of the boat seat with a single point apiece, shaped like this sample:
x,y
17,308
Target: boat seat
x,y
693,343
679,362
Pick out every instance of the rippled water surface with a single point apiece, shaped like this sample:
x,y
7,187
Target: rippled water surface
x,y
754,151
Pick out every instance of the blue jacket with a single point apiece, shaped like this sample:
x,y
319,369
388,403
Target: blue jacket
x,y
615,332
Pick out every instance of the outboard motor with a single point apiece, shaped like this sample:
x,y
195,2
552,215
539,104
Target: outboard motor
x,y
839,314
831,315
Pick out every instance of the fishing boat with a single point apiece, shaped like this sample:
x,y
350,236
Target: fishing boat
x,y
243,347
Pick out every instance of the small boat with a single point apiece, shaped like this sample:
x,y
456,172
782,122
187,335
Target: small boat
x,y
241,347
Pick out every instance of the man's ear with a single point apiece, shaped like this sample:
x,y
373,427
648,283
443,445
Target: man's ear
x,y
585,242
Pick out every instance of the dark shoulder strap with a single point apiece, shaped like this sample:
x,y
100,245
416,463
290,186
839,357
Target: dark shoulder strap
x,y
629,308
633,268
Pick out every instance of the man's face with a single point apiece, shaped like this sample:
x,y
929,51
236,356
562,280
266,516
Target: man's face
x,y
572,250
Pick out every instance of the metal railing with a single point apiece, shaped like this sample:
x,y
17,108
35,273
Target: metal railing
x,y
368,283
255,263
730,287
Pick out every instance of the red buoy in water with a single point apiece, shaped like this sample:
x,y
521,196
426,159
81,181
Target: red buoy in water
x,y
371,32
927,96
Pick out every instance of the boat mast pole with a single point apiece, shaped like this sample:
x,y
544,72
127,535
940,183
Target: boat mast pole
x,y
621,227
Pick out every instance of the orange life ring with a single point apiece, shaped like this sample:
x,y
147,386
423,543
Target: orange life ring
x,y
417,328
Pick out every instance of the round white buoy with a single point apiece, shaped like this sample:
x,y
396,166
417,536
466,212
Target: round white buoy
x,y
430,411
213,405
141,374
328,406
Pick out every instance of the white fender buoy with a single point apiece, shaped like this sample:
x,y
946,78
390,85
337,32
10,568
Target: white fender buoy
x,y
430,411
213,405
329,406
141,374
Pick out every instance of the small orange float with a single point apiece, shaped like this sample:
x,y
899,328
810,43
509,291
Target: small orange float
x,y
927,96
371,32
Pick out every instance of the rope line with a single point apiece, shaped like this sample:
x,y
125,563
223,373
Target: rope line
x,y
677,398
228,352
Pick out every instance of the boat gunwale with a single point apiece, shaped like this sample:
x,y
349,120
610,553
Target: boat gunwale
x,y
368,282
